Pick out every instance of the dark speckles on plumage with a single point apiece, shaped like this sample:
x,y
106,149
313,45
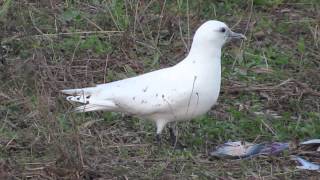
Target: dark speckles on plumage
x,y
157,95
145,89
162,95
134,98
143,102
78,98
88,96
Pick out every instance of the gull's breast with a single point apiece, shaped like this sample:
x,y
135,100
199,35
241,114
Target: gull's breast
x,y
196,97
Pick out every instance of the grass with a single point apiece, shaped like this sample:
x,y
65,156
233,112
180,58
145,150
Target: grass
x,y
270,88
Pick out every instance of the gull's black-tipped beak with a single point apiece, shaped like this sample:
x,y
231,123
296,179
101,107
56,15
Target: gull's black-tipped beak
x,y
233,35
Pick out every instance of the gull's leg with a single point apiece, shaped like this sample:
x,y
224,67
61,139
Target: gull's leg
x,y
158,139
173,136
160,125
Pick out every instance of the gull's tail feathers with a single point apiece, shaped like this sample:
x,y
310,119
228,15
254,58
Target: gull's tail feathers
x,y
88,108
93,105
82,91
88,97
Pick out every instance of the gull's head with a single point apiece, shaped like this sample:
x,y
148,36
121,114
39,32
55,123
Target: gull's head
x,y
215,34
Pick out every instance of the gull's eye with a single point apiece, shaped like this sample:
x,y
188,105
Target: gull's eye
x,y
223,30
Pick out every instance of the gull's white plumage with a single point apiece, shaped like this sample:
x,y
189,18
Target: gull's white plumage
x,y
180,92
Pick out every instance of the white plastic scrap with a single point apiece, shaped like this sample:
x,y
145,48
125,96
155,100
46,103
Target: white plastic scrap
x,y
306,164
312,141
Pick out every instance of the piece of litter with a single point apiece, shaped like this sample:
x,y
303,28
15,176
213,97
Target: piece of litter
x,y
237,149
306,164
312,141
274,148
310,145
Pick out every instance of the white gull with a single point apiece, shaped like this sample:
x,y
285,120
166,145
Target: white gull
x,y
181,92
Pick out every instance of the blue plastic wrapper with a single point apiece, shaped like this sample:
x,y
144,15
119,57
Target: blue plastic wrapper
x,y
239,149
242,150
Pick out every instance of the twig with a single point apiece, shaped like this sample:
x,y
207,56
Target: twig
x,y
181,35
111,15
4,95
34,25
79,147
188,25
268,127
189,101
250,17
79,32
105,69
264,87
75,50
128,145
160,22
307,89
93,23
8,144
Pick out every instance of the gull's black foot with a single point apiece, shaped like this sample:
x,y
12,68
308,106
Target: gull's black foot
x,y
173,137
174,140
158,139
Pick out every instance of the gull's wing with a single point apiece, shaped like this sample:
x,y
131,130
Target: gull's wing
x,y
157,91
